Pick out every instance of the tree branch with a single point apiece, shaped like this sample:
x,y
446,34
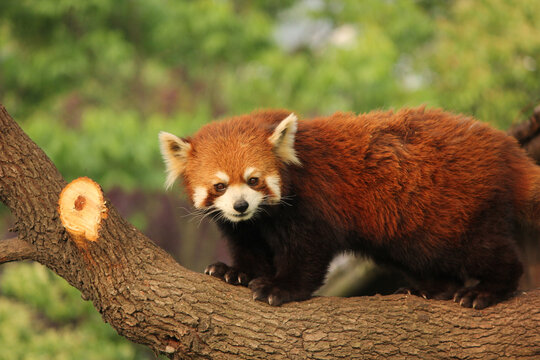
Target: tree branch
x,y
14,249
150,299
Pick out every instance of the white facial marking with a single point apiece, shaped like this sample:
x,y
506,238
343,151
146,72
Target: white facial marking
x,y
222,176
250,171
273,182
199,196
238,192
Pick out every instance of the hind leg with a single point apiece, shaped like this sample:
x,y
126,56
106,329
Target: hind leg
x,y
497,269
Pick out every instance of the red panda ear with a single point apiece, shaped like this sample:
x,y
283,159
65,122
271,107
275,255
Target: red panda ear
x,y
175,153
282,139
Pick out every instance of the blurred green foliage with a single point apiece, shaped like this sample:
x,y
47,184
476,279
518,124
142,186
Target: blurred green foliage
x,y
114,147
485,59
43,317
93,82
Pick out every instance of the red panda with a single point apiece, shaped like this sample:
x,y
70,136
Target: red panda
x,y
434,194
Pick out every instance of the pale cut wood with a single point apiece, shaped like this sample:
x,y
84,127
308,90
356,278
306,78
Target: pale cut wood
x,y
82,207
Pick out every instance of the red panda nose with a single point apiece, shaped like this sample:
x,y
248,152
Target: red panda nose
x,y
240,205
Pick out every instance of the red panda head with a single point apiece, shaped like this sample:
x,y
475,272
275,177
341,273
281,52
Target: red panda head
x,y
233,166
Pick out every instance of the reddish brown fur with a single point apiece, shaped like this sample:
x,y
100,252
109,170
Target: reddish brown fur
x,y
417,170
435,194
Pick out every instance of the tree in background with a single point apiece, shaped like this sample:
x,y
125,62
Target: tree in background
x,y
485,57
105,76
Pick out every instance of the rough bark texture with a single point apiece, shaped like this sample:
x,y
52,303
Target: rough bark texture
x,y
150,299
15,249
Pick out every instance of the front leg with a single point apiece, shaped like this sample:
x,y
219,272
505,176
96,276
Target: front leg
x,y
296,279
273,291
251,257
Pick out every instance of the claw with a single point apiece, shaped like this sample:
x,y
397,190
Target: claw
x,y
274,300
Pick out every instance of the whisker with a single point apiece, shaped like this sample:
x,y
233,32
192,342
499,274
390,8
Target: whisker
x,y
194,213
285,203
260,209
288,196
197,213
213,210
190,212
284,199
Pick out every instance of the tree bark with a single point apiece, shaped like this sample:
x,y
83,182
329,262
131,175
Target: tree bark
x,y
15,250
150,299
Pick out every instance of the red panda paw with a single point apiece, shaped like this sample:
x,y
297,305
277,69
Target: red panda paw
x,y
416,292
266,290
407,291
227,274
471,297
439,294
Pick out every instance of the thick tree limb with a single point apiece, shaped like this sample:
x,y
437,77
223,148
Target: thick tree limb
x,y
14,249
150,299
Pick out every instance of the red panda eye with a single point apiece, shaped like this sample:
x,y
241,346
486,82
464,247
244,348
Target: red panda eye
x,y
220,187
253,181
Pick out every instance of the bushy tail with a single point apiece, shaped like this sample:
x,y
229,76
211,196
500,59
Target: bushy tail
x,y
528,237
532,204
527,133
